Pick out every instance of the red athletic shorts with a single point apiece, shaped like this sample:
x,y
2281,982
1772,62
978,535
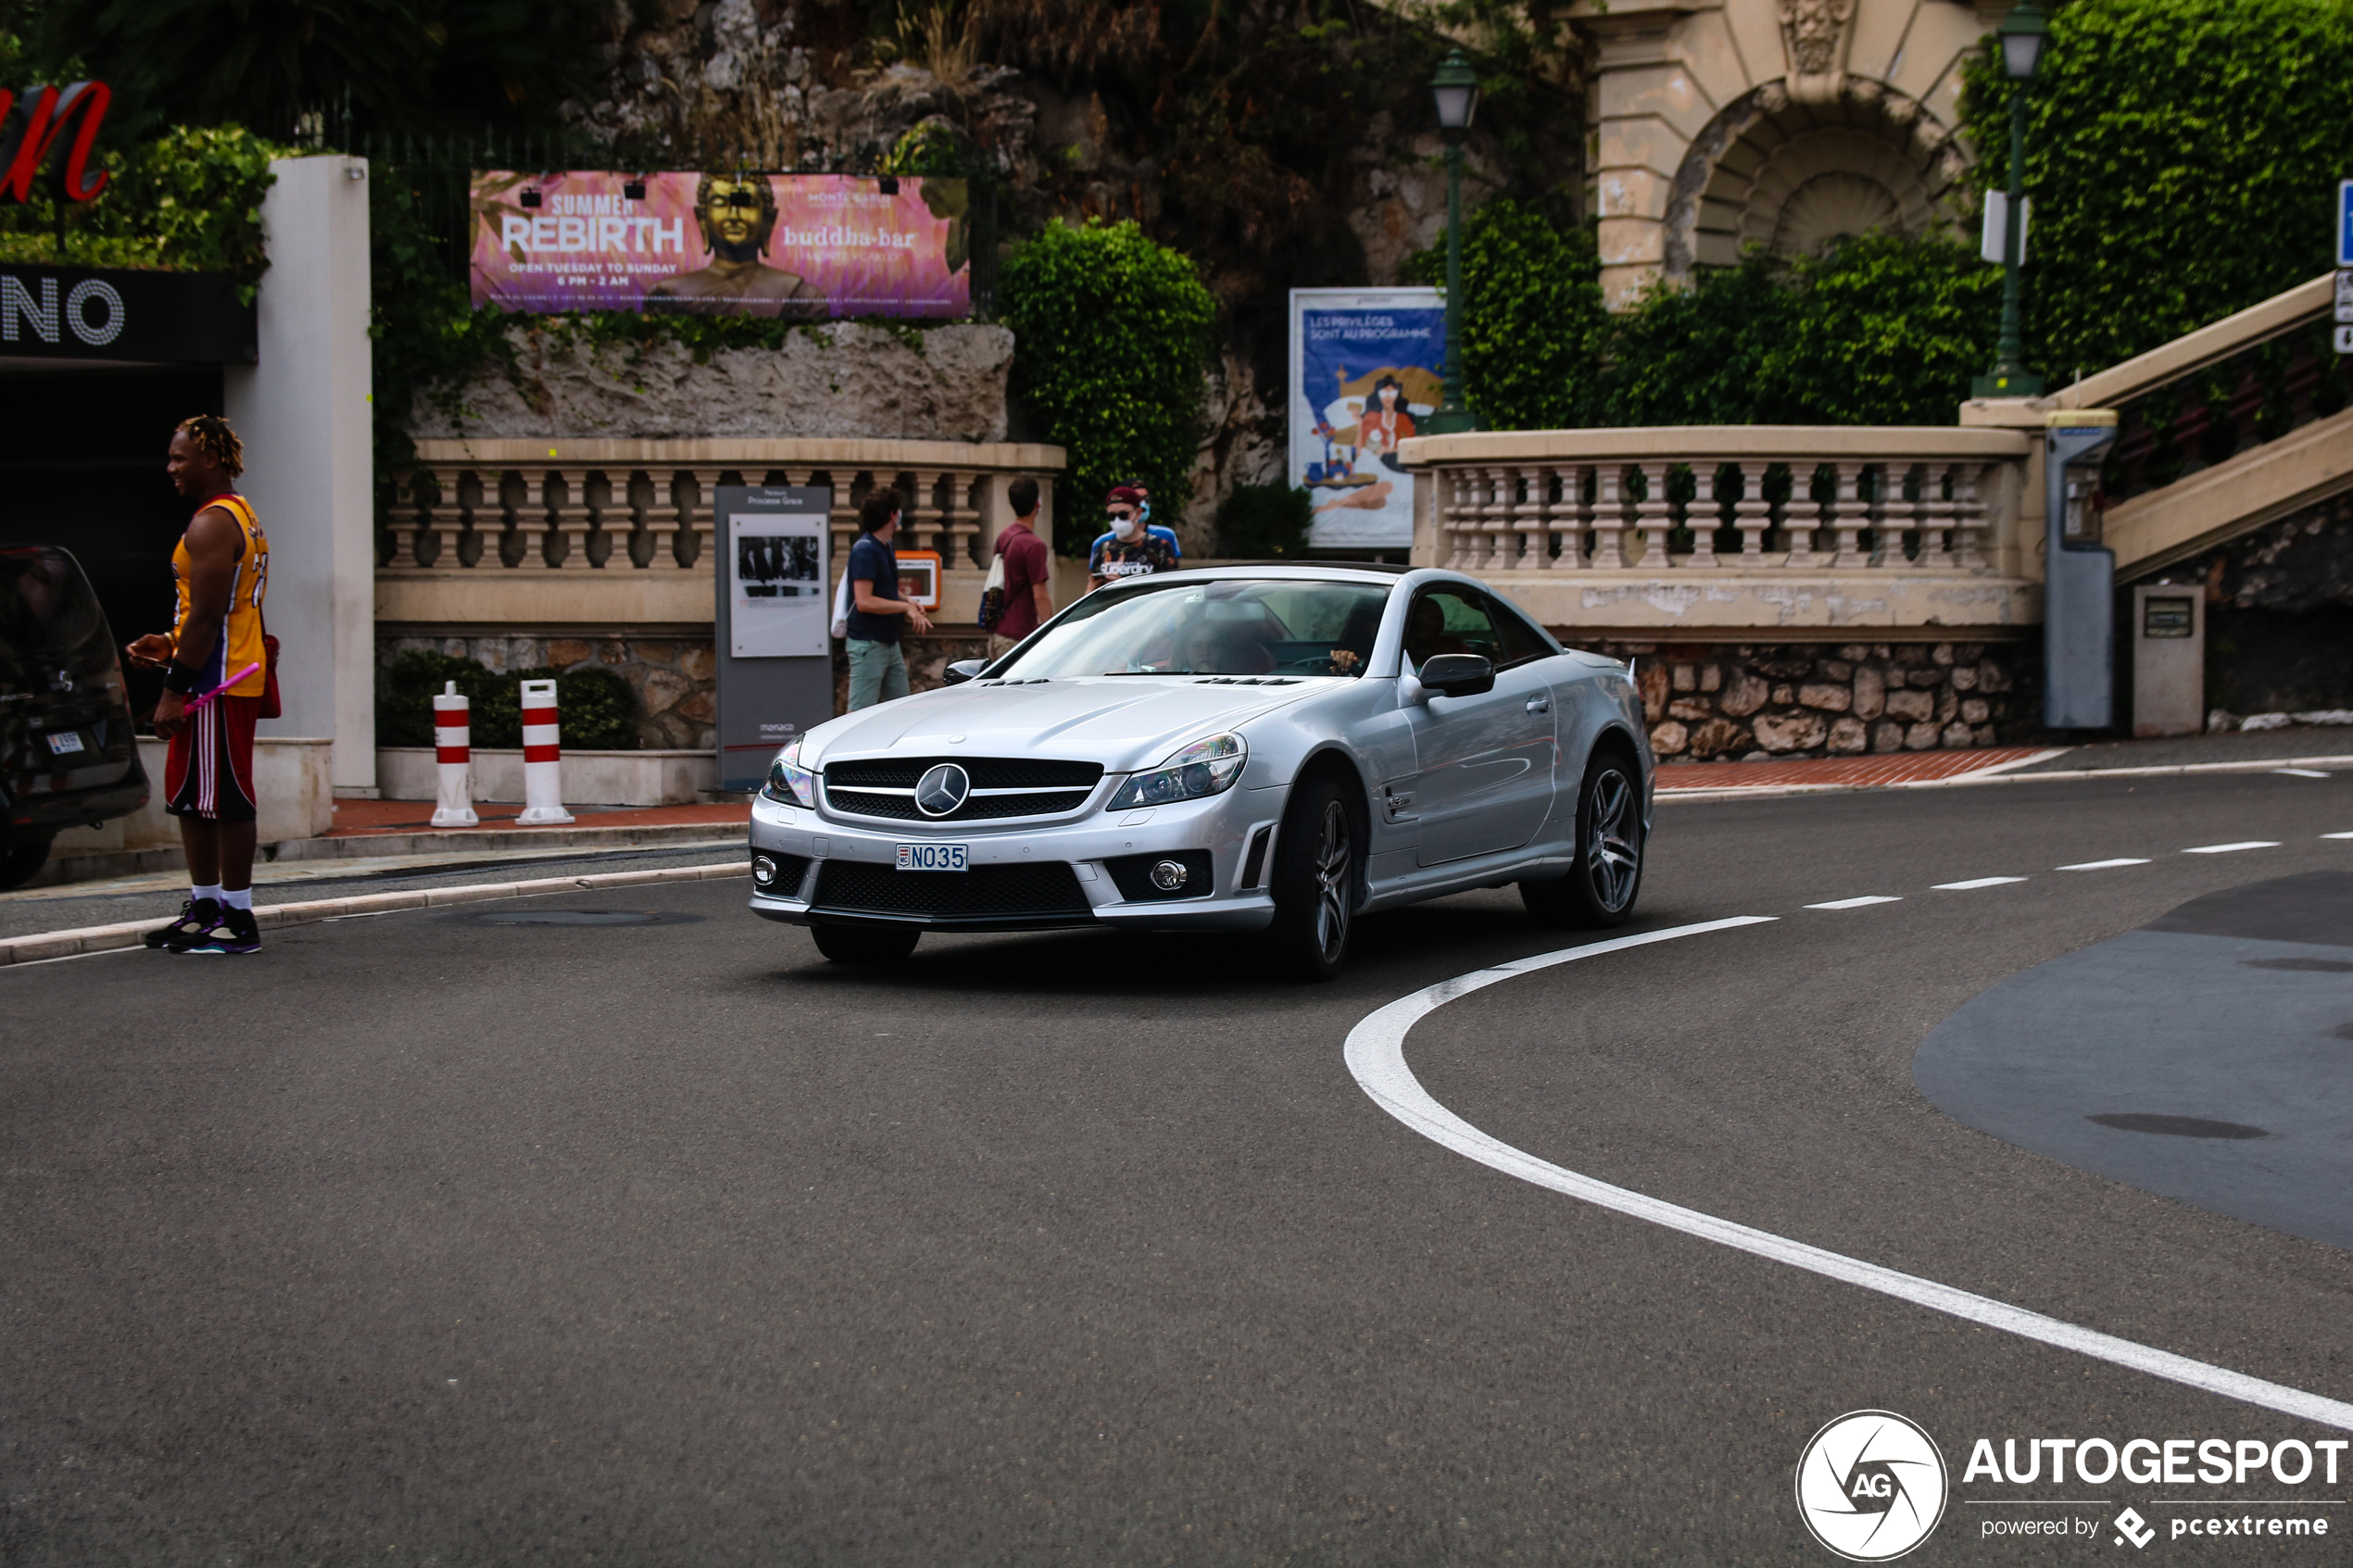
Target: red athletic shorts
x,y
209,772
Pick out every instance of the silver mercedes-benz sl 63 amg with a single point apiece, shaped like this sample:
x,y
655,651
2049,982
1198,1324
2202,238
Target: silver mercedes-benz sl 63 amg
x,y
1274,750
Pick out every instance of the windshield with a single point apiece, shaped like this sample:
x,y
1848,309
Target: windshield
x,y
49,619
1228,627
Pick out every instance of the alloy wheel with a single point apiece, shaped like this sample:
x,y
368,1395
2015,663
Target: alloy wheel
x,y
1333,866
1613,848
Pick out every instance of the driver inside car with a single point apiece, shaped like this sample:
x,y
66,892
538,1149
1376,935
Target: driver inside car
x,y
1426,633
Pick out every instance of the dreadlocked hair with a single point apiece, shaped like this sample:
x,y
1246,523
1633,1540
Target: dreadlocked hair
x,y
215,440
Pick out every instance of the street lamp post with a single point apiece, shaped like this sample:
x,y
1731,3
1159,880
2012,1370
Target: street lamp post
x,y
1456,89
2023,35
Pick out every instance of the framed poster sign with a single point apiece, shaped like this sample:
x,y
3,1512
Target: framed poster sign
x,y
1366,367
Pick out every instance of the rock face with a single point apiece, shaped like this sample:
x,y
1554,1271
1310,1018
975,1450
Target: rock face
x,y
1708,703
840,378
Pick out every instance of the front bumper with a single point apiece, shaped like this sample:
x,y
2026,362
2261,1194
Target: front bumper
x,y
1234,829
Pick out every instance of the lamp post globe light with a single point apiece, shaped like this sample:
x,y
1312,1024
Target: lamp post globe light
x,y
2023,35
1455,88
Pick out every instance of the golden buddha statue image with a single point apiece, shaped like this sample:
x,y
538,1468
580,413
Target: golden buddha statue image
x,y
736,213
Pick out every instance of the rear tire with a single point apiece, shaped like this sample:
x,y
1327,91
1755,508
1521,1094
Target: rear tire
x,y
19,863
867,944
1600,889
1314,884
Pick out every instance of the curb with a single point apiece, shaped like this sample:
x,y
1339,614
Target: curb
x,y
1758,792
98,865
107,938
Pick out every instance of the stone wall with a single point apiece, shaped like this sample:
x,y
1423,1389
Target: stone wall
x,y
676,678
1726,702
840,379
2278,614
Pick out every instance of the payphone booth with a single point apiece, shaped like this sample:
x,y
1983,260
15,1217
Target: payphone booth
x,y
2078,575
774,615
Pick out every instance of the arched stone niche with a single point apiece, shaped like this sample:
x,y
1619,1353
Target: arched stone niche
x,y
1796,175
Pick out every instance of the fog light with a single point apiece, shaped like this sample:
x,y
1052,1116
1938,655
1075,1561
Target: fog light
x,y
1169,875
763,870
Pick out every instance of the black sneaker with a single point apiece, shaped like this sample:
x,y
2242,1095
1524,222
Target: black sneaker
x,y
196,914
234,932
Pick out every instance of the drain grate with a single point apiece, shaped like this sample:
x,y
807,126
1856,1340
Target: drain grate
x,y
2302,966
2176,1126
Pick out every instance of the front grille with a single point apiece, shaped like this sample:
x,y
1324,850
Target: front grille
x,y
982,893
976,808
853,787
986,773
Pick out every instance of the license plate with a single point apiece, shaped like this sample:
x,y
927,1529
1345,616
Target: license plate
x,y
933,857
65,745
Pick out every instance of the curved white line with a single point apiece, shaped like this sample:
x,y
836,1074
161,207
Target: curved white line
x,y
1377,1059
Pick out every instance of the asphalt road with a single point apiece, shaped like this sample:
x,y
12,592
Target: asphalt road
x,y
425,1239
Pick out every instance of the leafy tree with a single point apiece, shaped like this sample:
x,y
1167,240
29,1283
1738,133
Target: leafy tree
x,y
1534,324
2183,156
395,65
1112,335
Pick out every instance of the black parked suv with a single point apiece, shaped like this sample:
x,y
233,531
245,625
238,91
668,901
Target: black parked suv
x,y
66,754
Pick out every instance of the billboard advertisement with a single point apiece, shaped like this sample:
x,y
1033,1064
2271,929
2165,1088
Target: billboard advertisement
x,y
804,246
1366,367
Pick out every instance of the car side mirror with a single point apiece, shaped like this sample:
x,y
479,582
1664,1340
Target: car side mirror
x,y
963,669
1458,674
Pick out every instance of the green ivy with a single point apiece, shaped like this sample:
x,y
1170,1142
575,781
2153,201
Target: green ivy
x,y
2183,156
1112,343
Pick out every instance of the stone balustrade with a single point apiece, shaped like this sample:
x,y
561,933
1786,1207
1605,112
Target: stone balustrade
x,y
1705,528
526,532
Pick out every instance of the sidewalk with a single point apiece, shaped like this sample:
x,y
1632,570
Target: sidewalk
x,y
2224,753
355,818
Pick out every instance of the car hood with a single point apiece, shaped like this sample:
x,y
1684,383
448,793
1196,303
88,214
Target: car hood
x,y
1124,723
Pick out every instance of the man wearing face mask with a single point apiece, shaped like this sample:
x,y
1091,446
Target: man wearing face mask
x,y
1129,549
1144,509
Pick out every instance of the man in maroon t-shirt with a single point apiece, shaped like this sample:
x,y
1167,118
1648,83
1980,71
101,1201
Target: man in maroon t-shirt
x,y
1029,572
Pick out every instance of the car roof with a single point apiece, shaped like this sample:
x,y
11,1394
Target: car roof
x,y
1294,570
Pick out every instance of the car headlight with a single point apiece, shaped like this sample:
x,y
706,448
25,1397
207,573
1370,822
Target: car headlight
x,y
789,783
1206,767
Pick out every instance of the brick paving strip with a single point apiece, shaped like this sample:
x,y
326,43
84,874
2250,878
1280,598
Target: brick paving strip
x,y
105,938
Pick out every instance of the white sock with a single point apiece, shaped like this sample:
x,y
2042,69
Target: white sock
x,y
237,897
201,892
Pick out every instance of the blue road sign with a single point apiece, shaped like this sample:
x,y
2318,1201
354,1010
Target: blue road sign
x,y
2345,222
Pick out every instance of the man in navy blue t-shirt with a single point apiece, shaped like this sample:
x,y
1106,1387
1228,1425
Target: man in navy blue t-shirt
x,y
878,669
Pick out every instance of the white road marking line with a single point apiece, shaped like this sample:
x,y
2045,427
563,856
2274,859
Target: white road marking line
x,y
1376,1057
2304,772
1856,903
2100,865
2227,848
2337,835
1981,881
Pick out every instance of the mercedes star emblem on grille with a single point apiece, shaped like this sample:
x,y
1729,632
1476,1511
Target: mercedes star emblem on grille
x,y
941,790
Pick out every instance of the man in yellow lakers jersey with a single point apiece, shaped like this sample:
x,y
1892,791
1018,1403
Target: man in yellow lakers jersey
x,y
222,572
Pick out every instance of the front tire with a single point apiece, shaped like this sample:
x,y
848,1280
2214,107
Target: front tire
x,y
1600,891
867,944
1314,884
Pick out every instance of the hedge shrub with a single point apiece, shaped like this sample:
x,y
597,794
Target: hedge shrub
x,y
1112,343
598,711
188,201
1264,522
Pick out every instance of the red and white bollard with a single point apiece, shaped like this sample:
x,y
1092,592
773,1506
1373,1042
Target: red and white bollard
x,y
543,787
453,754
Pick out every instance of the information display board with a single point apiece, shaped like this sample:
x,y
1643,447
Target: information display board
x,y
771,581
807,247
1366,367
